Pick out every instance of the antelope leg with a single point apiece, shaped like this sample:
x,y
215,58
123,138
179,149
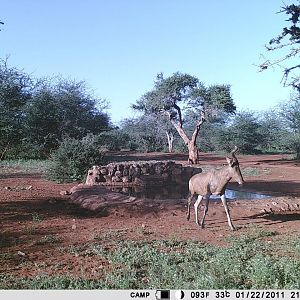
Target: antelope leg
x,y
227,211
189,206
196,205
205,211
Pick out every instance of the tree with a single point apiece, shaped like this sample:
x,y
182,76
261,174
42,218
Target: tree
x,y
15,92
170,137
272,130
288,39
62,109
113,140
244,131
146,133
36,115
290,114
171,96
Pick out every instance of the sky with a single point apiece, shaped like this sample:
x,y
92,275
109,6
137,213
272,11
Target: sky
x,y
118,46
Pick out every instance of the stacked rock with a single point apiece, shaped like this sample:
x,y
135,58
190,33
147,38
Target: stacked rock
x,y
131,173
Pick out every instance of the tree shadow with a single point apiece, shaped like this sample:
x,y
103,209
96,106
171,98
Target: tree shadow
x,y
275,161
21,175
23,220
25,210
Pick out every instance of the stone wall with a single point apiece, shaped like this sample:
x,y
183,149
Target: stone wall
x,y
98,198
144,173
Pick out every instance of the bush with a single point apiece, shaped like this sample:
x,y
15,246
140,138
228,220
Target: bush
x,y
244,132
180,146
291,142
73,158
113,140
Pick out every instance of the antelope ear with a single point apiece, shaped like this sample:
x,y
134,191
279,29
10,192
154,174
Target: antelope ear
x,y
229,161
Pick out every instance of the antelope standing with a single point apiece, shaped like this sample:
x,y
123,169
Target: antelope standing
x,y
214,183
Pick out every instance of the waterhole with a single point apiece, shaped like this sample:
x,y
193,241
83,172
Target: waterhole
x,y
234,194
179,192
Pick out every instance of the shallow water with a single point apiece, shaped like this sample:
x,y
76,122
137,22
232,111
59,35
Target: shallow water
x,y
180,192
234,194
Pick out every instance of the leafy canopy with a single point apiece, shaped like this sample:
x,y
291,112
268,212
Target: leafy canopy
x,y
182,91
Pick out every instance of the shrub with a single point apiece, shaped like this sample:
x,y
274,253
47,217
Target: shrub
x,y
113,140
73,158
244,132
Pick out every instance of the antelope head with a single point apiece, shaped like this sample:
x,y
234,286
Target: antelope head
x,y
234,166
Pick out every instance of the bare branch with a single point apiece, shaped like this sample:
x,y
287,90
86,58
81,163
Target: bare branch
x,y
232,153
179,113
178,128
265,65
180,132
288,39
198,126
269,48
287,72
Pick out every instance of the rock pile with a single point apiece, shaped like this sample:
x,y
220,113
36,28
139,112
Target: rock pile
x,y
140,173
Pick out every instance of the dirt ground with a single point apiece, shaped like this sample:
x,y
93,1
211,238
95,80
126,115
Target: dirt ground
x,y
42,233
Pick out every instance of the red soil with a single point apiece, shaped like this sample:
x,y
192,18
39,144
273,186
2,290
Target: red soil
x,y
55,234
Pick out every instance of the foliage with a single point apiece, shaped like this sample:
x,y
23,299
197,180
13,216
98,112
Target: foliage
x,y
273,131
292,143
15,92
171,96
290,112
71,161
289,115
167,93
180,146
213,132
244,131
184,89
215,137
287,40
146,133
36,114
63,108
248,262
114,140
215,100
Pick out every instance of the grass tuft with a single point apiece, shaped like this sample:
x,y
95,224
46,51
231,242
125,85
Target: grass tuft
x,y
248,263
27,166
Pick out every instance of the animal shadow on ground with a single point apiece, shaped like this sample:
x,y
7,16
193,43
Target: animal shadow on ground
x,y
275,217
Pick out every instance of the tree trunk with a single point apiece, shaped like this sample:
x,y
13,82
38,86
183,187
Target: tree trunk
x,y
192,146
193,153
191,143
170,137
298,153
2,156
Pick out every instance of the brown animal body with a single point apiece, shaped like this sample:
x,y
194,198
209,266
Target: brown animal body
x,y
214,183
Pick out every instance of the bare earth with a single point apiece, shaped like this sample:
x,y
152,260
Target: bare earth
x,y
42,233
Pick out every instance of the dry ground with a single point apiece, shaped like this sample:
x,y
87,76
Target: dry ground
x,y
41,232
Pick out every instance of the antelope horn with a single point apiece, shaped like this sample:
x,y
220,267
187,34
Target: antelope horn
x,y
234,151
